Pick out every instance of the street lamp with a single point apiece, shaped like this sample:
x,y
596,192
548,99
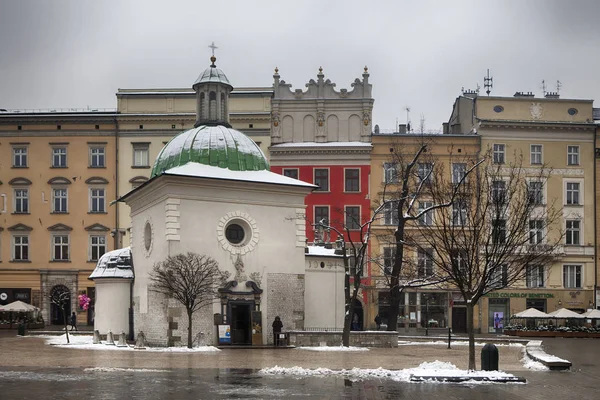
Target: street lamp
x,y
426,297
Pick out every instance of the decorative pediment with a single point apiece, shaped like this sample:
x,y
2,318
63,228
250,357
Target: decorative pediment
x,y
19,181
20,228
59,180
97,228
229,286
60,227
96,180
138,179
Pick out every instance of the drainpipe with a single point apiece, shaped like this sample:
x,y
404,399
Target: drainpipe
x,y
595,222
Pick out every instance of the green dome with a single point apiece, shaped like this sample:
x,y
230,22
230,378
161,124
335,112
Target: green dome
x,y
217,146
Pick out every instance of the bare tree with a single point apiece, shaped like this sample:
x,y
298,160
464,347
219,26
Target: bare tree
x,y
409,179
61,298
191,279
499,225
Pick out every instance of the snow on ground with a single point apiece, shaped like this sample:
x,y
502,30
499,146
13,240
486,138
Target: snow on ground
x,y
334,348
533,365
111,369
435,368
87,342
454,343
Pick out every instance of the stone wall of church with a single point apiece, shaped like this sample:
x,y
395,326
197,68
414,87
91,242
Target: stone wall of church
x,y
286,300
153,323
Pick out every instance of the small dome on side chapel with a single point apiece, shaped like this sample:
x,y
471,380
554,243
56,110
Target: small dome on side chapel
x,y
212,141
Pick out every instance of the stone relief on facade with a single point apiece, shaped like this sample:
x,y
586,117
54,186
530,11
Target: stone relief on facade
x,y
276,123
256,277
240,275
320,123
536,110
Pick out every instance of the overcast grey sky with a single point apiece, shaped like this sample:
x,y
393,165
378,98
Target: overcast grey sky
x,y
61,54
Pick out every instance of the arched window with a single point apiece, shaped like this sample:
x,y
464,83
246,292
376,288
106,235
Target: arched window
x,y
223,112
212,106
202,105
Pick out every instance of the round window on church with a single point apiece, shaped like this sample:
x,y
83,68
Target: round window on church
x,y
148,236
235,233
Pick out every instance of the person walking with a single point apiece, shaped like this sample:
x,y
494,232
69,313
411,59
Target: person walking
x,y
378,321
73,321
277,326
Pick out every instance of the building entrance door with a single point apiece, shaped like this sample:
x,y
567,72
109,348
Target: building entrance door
x,y
241,329
459,319
61,295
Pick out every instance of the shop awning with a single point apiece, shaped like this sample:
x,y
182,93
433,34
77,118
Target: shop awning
x,y
564,313
18,306
531,313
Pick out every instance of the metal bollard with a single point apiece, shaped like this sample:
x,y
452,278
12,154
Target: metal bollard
x,y
449,336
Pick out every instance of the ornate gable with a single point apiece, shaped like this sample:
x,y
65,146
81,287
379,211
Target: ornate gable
x,y
20,228
60,227
97,228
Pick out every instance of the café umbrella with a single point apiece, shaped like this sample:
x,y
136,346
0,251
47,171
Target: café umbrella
x,y
531,313
17,306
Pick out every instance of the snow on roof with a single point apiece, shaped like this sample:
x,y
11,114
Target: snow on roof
x,y
326,144
114,264
321,251
208,171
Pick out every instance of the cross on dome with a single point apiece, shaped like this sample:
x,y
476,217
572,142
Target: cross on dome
x,y
213,58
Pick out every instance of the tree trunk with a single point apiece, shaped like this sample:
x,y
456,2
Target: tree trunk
x,y
395,278
471,332
66,325
348,302
189,314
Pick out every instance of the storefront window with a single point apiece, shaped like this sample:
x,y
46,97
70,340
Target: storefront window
x,y
498,311
434,310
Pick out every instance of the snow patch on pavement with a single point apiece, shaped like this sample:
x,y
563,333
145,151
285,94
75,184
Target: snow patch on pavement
x,y
334,348
435,368
454,343
114,369
86,342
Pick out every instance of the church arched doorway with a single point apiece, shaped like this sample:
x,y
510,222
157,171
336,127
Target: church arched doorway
x,y
60,304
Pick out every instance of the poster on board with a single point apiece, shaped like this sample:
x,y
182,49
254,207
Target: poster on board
x,y
224,334
498,320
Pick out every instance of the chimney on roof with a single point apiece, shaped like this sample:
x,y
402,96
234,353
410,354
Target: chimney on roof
x,y
445,128
523,94
552,95
402,129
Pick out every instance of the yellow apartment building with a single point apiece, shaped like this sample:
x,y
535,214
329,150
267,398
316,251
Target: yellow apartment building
x,y
547,132
57,177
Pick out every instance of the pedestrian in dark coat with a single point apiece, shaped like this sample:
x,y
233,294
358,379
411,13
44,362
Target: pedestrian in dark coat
x,y
277,326
73,321
378,321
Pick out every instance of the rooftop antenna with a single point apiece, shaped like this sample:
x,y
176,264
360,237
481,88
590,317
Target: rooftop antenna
x,y
558,86
407,118
544,87
488,82
478,88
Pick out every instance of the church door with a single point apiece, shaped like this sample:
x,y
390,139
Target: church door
x,y
241,329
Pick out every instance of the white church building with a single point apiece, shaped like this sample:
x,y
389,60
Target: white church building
x,y
211,192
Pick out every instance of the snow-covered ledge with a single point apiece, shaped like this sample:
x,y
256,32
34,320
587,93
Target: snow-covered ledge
x,y
384,339
535,352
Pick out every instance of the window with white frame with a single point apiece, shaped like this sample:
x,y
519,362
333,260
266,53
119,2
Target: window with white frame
x,y
424,263
427,217
573,193
20,248
59,200
351,180
97,156
352,217
291,172
59,157
21,201
572,155
535,153
536,231
459,262
499,231
97,200
390,213
97,247
499,192
573,232
424,171
459,212
20,157
388,259
60,247
572,276
321,214
498,276
459,170
498,153
322,179
390,171
535,192
536,276
141,156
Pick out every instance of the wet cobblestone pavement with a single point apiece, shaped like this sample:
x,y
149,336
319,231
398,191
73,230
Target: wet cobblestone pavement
x,y
29,369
